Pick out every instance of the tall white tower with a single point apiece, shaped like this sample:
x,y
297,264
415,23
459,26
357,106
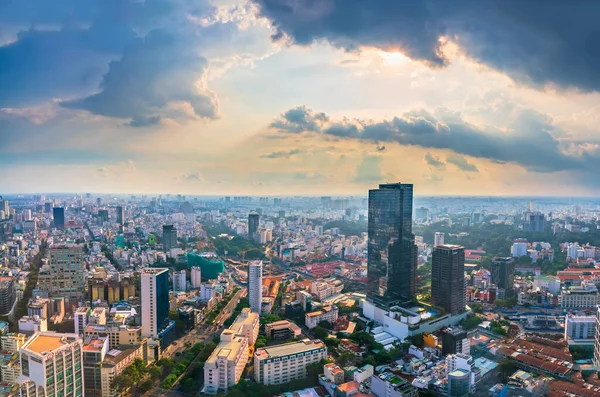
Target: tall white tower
x,y
438,239
255,285
196,277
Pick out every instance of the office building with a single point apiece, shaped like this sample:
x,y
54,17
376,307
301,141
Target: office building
x,y
459,383
387,384
597,339
391,251
255,275
169,237
65,278
48,208
58,213
102,216
247,324
52,365
225,366
455,340
581,296
155,302
438,239
117,334
81,319
534,222
120,215
503,274
179,281
448,278
253,220
518,248
4,207
283,363
196,277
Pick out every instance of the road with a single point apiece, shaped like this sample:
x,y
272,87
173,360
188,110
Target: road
x,y
206,332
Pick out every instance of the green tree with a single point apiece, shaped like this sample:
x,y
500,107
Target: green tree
x,y
417,340
320,332
146,386
345,358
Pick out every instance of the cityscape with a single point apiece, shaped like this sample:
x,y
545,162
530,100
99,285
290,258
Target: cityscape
x,y
385,294
299,198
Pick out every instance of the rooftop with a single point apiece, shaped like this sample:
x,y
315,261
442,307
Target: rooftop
x,y
43,343
288,348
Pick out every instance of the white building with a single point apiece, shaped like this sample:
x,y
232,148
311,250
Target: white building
x,y
463,362
81,319
207,291
196,277
179,282
283,363
255,285
519,248
247,324
52,364
438,239
324,289
225,365
580,329
12,342
579,296
547,283
597,339
327,313
30,325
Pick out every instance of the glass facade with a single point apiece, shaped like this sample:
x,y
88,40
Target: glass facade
x,y
392,253
162,300
448,278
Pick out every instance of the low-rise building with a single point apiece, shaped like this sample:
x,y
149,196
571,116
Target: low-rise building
x,y
117,334
579,296
29,325
580,329
225,365
389,385
327,313
333,373
282,330
283,363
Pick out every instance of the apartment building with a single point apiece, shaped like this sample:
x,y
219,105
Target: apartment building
x,y
327,313
225,365
247,324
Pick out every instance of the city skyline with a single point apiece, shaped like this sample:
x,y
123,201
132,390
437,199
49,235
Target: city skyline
x,y
229,96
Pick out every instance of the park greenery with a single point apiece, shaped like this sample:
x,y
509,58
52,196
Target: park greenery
x,y
470,322
233,245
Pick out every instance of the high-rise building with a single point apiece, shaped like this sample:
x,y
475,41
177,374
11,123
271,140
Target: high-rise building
x,y
448,278
459,383
102,216
120,215
503,274
392,253
196,276
253,220
65,277
81,319
597,339
4,207
8,294
255,285
455,340
438,239
155,301
51,365
48,207
534,222
179,281
169,237
58,214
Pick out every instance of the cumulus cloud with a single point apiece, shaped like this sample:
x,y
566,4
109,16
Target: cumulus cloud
x,y
128,59
462,164
434,161
530,140
556,43
299,119
281,154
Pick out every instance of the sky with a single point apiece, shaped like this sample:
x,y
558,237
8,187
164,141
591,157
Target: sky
x,y
293,97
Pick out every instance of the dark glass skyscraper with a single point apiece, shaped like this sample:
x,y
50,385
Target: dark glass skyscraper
x,y
169,237
120,215
59,217
503,274
252,224
448,278
392,253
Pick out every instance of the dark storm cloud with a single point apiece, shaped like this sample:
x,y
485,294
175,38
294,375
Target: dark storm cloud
x,y
534,41
281,154
531,140
122,58
462,164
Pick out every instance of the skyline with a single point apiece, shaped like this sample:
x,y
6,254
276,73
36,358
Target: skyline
x,y
264,97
